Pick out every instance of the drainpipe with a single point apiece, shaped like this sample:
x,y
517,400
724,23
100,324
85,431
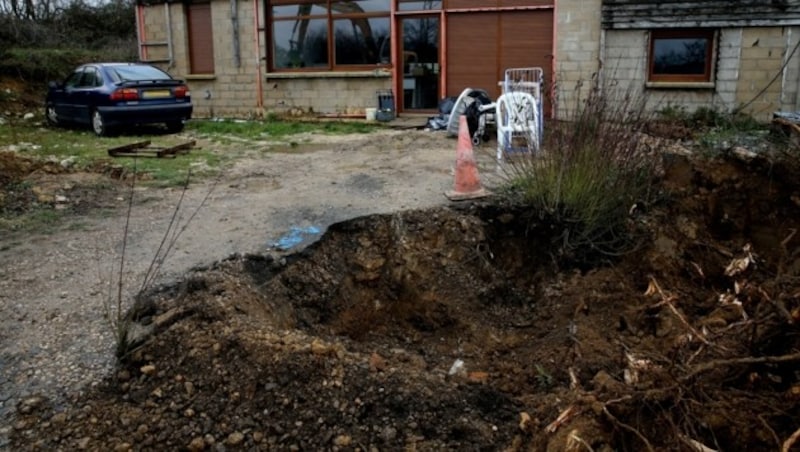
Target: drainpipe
x,y
601,63
140,37
169,34
554,62
396,57
237,58
259,82
443,54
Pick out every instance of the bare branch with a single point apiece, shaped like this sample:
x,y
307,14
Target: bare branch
x,y
711,365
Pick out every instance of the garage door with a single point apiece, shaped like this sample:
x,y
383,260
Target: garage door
x,y
481,45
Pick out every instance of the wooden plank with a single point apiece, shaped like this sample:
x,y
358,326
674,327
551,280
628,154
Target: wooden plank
x,y
143,149
641,14
182,148
128,147
145,154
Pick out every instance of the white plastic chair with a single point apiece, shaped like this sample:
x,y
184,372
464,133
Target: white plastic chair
x,y
517,118
531,81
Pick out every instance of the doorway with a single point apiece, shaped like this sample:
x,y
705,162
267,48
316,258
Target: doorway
x,y
420,58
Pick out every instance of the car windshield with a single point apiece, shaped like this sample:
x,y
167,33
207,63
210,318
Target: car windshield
x,y
136,73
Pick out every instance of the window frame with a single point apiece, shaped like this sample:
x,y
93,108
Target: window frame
x,y
701,80
331,17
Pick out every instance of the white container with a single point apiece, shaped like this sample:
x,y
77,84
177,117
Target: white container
x,y
371,112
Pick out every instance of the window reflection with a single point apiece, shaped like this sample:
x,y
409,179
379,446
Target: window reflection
x,y
359,6
416,5
301,9
300,44
329,33
680,56
362,41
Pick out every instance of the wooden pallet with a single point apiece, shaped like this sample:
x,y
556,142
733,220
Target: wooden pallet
x,y
144,149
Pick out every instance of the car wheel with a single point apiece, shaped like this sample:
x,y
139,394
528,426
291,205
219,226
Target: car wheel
x,y
174,126
99,125
50,115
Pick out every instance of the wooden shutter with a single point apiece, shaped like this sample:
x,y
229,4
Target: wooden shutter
x,y
201,39
526,40
472,57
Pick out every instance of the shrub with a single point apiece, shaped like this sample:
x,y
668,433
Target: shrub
x,y
592,171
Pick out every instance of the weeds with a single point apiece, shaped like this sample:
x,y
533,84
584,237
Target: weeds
x,y
543,378
121,321
592,172
276,128
710,126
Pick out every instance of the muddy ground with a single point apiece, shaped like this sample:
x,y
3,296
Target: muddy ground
x,y
432,326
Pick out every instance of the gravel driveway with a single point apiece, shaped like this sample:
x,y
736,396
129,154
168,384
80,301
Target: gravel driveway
x,y
55,340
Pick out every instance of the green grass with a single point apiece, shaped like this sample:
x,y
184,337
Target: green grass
x,y
86,151
42,219
277,128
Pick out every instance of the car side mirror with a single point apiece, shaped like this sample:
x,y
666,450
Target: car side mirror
x,y
54,85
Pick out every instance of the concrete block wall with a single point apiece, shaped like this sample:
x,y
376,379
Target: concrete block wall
x,y
765,86
729,49
577,51
790,81
155,19
232,91
298,94
626,63
747,59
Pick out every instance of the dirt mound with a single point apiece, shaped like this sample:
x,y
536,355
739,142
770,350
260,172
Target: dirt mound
x,y
28,183
456,329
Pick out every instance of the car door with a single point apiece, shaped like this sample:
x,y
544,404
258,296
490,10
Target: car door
x,y
85,94
62,97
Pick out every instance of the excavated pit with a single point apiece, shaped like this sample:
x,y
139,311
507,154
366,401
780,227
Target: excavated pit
x,y
459,329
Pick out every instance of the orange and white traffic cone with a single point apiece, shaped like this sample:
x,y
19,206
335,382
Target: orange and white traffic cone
x,y
468,183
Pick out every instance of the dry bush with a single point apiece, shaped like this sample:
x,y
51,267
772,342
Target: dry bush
x,y
590,174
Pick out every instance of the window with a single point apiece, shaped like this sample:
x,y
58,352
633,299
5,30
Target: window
x,y
201,39
681,56
329,34
91,78
414,5
74,80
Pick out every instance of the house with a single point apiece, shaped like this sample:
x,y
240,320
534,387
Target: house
x,y
728,55
249,57
332,57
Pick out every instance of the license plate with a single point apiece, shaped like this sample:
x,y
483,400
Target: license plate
x,y
156,94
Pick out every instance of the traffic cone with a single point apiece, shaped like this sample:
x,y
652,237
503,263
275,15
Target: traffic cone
x,y
468,183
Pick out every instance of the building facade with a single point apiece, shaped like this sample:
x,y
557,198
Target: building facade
x,y
246,58
730,56
331,57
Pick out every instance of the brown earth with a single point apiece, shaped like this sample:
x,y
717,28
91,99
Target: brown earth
x,y
455,328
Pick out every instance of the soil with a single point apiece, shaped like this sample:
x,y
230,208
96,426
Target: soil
x,y
412,323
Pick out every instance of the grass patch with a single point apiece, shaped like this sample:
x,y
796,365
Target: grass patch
x,y
83,150
80,148
710,126
277,128
43,219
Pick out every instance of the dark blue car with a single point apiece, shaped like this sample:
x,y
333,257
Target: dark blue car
x,y
109,96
